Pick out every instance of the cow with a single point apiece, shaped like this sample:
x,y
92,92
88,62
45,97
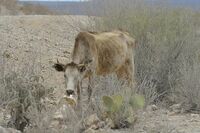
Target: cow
x,y
99,53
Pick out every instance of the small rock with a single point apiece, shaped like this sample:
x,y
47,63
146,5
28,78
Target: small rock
x,y
8,130
91,120
176,108
7,54
89,131
194,120
66,52
181,131
27,50
101,124
58,115
54,124
195,115
97,131
110,123
172,113
46,39
94,126
152,108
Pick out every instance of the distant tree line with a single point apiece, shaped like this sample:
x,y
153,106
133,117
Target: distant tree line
x,y
12,7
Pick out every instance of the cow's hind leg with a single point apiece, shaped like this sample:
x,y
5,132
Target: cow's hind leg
x,y
126,72
130,73
79,91
121,73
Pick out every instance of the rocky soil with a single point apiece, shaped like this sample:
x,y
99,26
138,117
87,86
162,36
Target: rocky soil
x,y
43,39
40,40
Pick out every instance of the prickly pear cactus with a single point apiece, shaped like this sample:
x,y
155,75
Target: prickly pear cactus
x,y
137,101
113,103
108,103
118,101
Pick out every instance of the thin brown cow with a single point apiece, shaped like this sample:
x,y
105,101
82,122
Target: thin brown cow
x,y
100,53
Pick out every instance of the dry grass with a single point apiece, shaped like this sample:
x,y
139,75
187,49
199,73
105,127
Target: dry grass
x,y
187,90
167,38
21,89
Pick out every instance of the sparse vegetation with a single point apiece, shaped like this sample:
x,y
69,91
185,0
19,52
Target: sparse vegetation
x,y
21,93
187,90
167,38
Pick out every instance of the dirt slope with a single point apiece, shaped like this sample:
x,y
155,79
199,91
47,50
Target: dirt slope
x,y
39,40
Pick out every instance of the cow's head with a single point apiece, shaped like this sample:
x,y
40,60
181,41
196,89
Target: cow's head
x,y
73,74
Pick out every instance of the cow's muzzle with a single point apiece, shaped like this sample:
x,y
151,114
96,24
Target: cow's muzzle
x,y
70,92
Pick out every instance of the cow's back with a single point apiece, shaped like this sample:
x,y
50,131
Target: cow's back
x,y
109,50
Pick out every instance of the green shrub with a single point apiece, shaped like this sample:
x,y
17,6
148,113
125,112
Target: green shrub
x,y
121,112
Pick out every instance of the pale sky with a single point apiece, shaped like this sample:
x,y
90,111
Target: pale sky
x,y
49,0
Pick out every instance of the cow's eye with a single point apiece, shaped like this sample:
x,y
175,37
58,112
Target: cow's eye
x,y
65,76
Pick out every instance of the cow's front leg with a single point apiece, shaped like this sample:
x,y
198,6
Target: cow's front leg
x,y
79,93
89,89
78,107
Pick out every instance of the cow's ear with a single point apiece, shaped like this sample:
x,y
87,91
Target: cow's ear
x,y
81,67
59,67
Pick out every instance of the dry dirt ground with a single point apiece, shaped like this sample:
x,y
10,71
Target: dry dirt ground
x,y
43,39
